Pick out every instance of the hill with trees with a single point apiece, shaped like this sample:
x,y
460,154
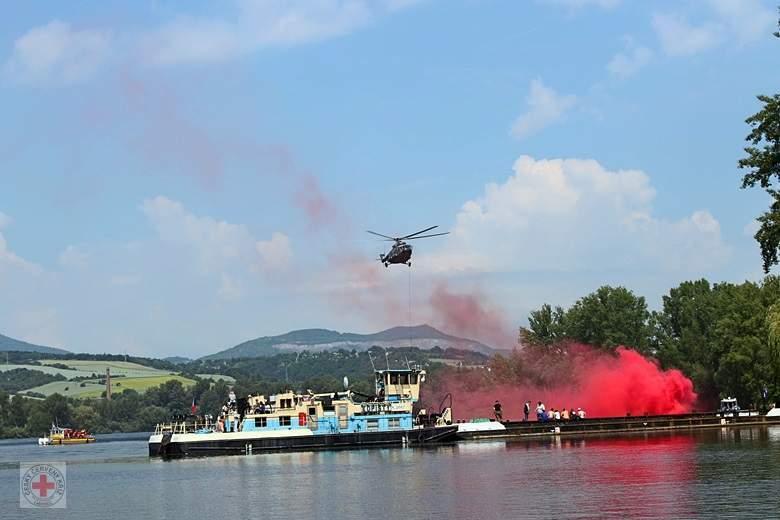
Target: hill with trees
x,y
10,344
422,336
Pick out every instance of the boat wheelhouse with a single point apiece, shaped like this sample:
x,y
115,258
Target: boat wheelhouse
x,y
292,420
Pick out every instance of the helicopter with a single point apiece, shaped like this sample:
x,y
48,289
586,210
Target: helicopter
x,y
401,252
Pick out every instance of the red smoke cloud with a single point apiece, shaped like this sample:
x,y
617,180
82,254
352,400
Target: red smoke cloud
x,y
471,316
320,210
604,385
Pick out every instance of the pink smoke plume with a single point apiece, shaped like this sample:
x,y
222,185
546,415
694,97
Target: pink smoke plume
x,y
319,209
603,384
470,315
168,137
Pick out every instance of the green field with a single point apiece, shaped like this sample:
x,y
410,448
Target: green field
x,y
51,370
139,384
217,377
124,375
123,368
74,388
92,389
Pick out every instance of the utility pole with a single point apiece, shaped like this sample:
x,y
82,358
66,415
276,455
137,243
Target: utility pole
x,y
108,383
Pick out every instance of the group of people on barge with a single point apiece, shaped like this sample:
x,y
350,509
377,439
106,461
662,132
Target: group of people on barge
x,y
553,414
542,413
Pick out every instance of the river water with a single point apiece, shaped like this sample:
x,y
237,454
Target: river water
x,y
701,474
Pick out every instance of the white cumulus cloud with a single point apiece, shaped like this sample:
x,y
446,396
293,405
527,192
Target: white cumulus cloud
x,y
575,214
57,53
215,243
258,24
679,38
739,21
8,259
545,107
275,254
747,20
629,61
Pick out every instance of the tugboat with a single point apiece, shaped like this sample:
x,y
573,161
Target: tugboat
x,y
309,421
59,435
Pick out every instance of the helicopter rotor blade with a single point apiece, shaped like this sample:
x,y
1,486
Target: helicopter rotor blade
x,y
415,234
429,236
381,235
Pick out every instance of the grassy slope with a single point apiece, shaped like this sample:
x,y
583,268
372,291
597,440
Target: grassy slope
x,y
92,389
137,377
99,367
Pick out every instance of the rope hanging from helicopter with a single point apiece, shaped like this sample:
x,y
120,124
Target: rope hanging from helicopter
x,y
410,306
401,253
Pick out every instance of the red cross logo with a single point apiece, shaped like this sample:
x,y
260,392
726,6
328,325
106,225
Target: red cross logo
x,y
43,485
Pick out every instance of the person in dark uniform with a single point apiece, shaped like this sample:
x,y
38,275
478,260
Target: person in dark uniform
x,y
497,411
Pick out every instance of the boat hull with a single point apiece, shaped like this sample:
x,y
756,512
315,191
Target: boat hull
x,y
54,442
190,445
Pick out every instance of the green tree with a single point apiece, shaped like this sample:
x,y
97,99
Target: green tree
x,y
763,165
18,412
739,342
609,317
685,334
546,326
724,338
85,416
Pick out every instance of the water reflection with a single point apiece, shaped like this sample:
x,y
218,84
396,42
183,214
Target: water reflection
x,y
701,473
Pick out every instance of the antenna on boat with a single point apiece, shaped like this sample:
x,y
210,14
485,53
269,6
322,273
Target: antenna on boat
x,y
387,359
373,367
407,363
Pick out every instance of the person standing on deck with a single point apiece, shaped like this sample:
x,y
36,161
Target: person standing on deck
x,y
540,415
497,411
526,410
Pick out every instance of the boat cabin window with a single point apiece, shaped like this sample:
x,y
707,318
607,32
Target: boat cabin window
x,y
261,422
284,420
413,379
312,411
394,422
285,403
393,379
372,425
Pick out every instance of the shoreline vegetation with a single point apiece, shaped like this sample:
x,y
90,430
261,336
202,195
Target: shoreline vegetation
x,y
725,337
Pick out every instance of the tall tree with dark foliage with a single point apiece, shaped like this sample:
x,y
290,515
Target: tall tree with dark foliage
x,y
763,165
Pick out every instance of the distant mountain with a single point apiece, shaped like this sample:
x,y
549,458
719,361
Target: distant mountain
x,y
421,336
10,344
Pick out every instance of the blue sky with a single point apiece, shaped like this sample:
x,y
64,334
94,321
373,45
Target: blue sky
x,y
176,177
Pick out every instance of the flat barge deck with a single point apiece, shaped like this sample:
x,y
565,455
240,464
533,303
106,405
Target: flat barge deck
x,y
600,426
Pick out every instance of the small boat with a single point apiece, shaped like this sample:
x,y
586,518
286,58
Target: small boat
x,y
480,425
309,421
59,435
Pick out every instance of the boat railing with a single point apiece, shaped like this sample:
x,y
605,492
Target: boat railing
x,y
180,427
